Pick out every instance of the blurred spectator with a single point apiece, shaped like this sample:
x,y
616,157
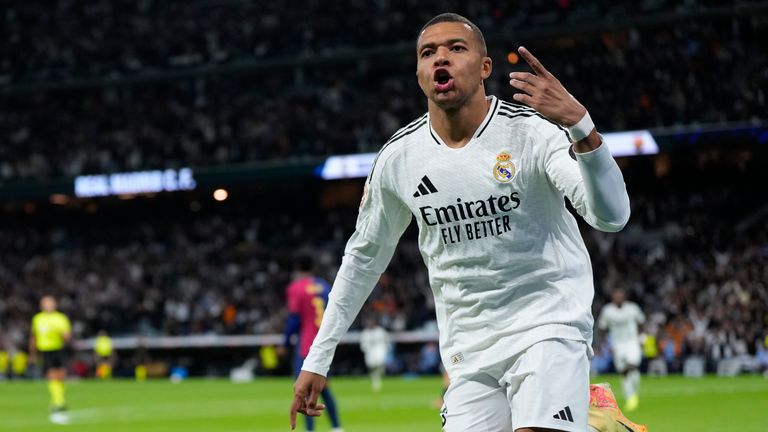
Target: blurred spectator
x,y
429,359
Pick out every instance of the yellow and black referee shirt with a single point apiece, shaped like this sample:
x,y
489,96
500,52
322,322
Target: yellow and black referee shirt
x,y
49,329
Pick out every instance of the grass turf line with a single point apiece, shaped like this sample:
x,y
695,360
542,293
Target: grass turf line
x,y
672,404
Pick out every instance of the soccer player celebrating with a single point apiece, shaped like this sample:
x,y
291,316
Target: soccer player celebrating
x,y
50,333
621,318
307,297
486,180
374,343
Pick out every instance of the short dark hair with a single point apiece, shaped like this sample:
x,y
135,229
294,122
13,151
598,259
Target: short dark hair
x,y
304,262
456,18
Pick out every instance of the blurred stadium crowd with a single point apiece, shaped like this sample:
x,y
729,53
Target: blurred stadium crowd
x,y
108,38
670,71
690,257
192,85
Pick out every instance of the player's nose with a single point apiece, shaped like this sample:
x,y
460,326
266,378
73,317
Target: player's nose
x,y
442,57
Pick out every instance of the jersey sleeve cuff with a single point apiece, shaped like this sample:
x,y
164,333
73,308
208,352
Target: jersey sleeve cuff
x,y
315,368
597,160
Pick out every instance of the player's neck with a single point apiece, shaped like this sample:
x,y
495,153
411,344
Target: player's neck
x,y
457,126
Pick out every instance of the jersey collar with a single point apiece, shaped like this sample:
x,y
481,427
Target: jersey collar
x,y
484,125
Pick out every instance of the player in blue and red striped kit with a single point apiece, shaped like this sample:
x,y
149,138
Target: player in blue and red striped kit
x,y
306,298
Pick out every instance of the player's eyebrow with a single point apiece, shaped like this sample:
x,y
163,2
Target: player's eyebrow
x,y
434,45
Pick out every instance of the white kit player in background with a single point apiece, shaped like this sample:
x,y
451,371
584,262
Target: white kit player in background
x,y
622,319
374,343
512,280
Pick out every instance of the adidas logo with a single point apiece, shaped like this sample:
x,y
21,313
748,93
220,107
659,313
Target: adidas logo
x,y
564,414
425,188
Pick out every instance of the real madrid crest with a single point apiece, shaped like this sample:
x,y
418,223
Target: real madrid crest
x,y
504,170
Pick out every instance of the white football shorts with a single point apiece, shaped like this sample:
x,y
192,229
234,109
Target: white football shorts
x,y
626,355
376,357
545,386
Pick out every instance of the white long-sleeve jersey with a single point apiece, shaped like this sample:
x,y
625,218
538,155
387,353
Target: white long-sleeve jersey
x,y
374,343
507,265
622,323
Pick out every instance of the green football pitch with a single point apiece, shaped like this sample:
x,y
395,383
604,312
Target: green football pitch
x,y
666,405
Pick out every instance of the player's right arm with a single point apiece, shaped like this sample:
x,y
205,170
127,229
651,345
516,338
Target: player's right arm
x,y
364,341
382,219
33,342
602,320
603,324
32,349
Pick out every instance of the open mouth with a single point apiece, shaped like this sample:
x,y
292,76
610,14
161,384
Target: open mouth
x,y
443,80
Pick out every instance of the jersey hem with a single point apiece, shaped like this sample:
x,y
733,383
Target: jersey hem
x,y
509,346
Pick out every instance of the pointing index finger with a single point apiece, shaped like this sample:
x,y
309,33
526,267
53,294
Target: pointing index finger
x,y
295,407
533,62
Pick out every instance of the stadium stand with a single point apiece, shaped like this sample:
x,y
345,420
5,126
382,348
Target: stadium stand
x,y
690,256
669,72
125,85
123,37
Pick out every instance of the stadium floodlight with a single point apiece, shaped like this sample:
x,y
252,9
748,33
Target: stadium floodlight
x,y
132,183
628,143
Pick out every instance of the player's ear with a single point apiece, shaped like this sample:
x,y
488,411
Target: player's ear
x,y
487,67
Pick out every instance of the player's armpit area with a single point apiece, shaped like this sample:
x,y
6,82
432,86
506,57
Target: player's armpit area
x,y
604,412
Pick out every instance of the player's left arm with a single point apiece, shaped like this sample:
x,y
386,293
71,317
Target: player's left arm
x,y
640,315
293,322
597,187
66,331
547,95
